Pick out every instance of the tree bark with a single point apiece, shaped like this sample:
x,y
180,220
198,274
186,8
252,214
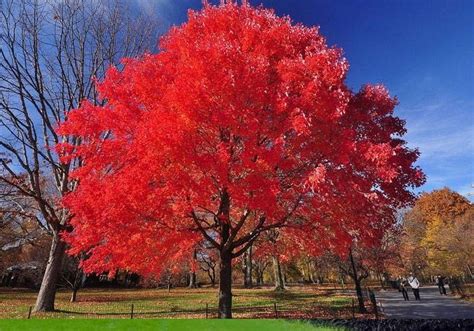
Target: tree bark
x,y
192,273
278,275
169,285
47,292
225,285
311,273
74,295
259,274
358,288
78,284
320,280
192,279
306,273
360,297
212,277
248,268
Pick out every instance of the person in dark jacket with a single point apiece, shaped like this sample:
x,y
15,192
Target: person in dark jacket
x,y
440,283
403,289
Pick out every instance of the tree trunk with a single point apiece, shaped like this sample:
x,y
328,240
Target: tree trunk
x,y
279,283
307,273
79,282
47,292
360,297
225,285
211,273
320,280
248,268
358,288
192,273
192,279
258,274
213,279
169,283
312,272
260,271
74,294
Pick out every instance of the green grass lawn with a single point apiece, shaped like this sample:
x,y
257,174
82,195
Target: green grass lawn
x,y
297,302
160,324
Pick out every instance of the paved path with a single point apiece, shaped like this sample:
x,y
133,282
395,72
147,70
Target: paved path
x,y
431,305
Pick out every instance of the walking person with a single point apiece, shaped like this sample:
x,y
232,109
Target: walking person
x,y
403,289
415,286
440,283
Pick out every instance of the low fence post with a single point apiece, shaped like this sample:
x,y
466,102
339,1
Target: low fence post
x,y
29,312
353,308
131,312
275,309
207,310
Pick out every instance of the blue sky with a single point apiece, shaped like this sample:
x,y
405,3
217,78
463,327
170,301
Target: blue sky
x,y
423,51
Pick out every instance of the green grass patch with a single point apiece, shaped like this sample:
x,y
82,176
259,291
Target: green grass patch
x,y
160,324
298,302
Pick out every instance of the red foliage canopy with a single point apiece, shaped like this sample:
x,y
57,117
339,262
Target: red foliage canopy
x,y
240,124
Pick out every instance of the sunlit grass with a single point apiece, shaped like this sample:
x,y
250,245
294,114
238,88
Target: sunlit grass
x,y
301,302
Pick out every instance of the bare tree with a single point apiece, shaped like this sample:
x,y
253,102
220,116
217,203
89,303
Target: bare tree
x,y
207,259
23,240
51,52
72,275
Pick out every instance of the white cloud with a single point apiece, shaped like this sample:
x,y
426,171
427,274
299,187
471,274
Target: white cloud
x,y
438,132
443,130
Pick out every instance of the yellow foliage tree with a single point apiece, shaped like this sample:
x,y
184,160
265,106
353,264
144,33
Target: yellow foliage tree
x,y
438,234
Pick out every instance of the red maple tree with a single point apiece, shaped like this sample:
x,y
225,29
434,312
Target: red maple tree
x,y
241,124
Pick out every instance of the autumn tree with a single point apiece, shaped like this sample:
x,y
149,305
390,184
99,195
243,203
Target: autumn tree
x,y
22,233
438,232
241,124
280,248
324,267
413,254
460,242
384,256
